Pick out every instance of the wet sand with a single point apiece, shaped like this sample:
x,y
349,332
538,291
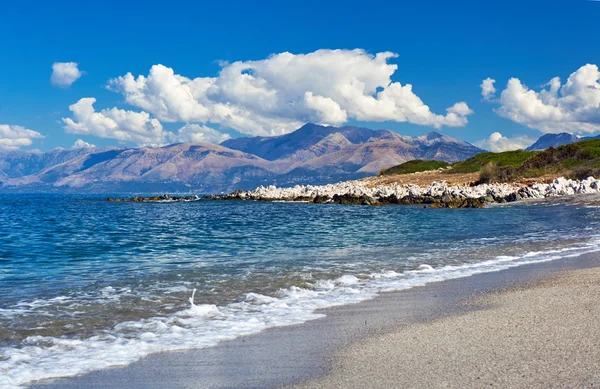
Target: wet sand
x,y
418,335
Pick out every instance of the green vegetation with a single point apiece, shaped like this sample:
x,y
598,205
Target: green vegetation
x,y
577,160
416,165
513,159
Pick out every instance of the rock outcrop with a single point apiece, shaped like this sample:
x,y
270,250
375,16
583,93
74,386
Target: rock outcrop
x,y
435,195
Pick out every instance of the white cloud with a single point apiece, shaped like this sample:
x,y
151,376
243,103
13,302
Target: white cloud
x,y
487,89
81,144
12,137
460,109
277,94
126,126
497,143
64,74
198,133
326,110
130,126
165,94
572,107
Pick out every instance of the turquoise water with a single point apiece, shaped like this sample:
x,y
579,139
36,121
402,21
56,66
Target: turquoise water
x,y
86,284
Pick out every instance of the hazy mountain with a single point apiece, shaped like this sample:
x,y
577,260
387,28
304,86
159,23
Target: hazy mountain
x,y
312,154
553,140
589,137
179,167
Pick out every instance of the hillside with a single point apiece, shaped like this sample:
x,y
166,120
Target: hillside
x,y
576,160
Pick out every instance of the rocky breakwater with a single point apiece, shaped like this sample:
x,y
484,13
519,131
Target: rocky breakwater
x,y
435,195
163,198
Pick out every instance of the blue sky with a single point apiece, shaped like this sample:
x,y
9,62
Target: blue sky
x,y
445,50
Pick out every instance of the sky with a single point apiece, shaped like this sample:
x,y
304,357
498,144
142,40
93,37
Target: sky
x,y
76,74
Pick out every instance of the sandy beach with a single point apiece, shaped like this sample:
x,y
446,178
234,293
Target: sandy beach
x,y
541,335
529,326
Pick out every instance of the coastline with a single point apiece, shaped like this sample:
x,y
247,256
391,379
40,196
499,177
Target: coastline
x,y
290,355
435,194
396,190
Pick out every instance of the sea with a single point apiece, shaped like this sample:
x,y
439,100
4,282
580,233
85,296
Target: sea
x,y
87,284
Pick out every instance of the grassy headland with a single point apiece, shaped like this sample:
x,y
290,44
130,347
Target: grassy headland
x,y
577,160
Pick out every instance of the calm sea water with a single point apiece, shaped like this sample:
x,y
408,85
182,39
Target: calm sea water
x,y
86,284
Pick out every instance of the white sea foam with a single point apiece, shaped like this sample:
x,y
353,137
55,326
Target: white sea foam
x,y
204,325
347,280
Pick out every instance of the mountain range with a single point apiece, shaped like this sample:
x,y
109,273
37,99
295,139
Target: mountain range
x,y
313,154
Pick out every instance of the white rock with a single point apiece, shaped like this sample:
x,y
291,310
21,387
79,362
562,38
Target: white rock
x,y
559,187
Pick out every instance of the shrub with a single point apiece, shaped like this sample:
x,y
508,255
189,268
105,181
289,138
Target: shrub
x,y
584,172
487,173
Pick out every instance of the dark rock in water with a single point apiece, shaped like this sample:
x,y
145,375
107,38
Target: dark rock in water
x,y
345,199
165,197
301,199
461,203
357,200
513,197
392,199
321,199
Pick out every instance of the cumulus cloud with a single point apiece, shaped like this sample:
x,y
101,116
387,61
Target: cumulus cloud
x,y
572,107
12,137
125,126
64,74
81,144
131,126
487,88
497,143
276,95
198,133
326,110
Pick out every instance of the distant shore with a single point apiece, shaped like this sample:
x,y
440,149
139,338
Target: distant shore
x,y
542,317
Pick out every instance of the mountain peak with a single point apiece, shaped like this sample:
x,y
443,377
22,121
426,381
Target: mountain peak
x,y
311,125
553,140
434,135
